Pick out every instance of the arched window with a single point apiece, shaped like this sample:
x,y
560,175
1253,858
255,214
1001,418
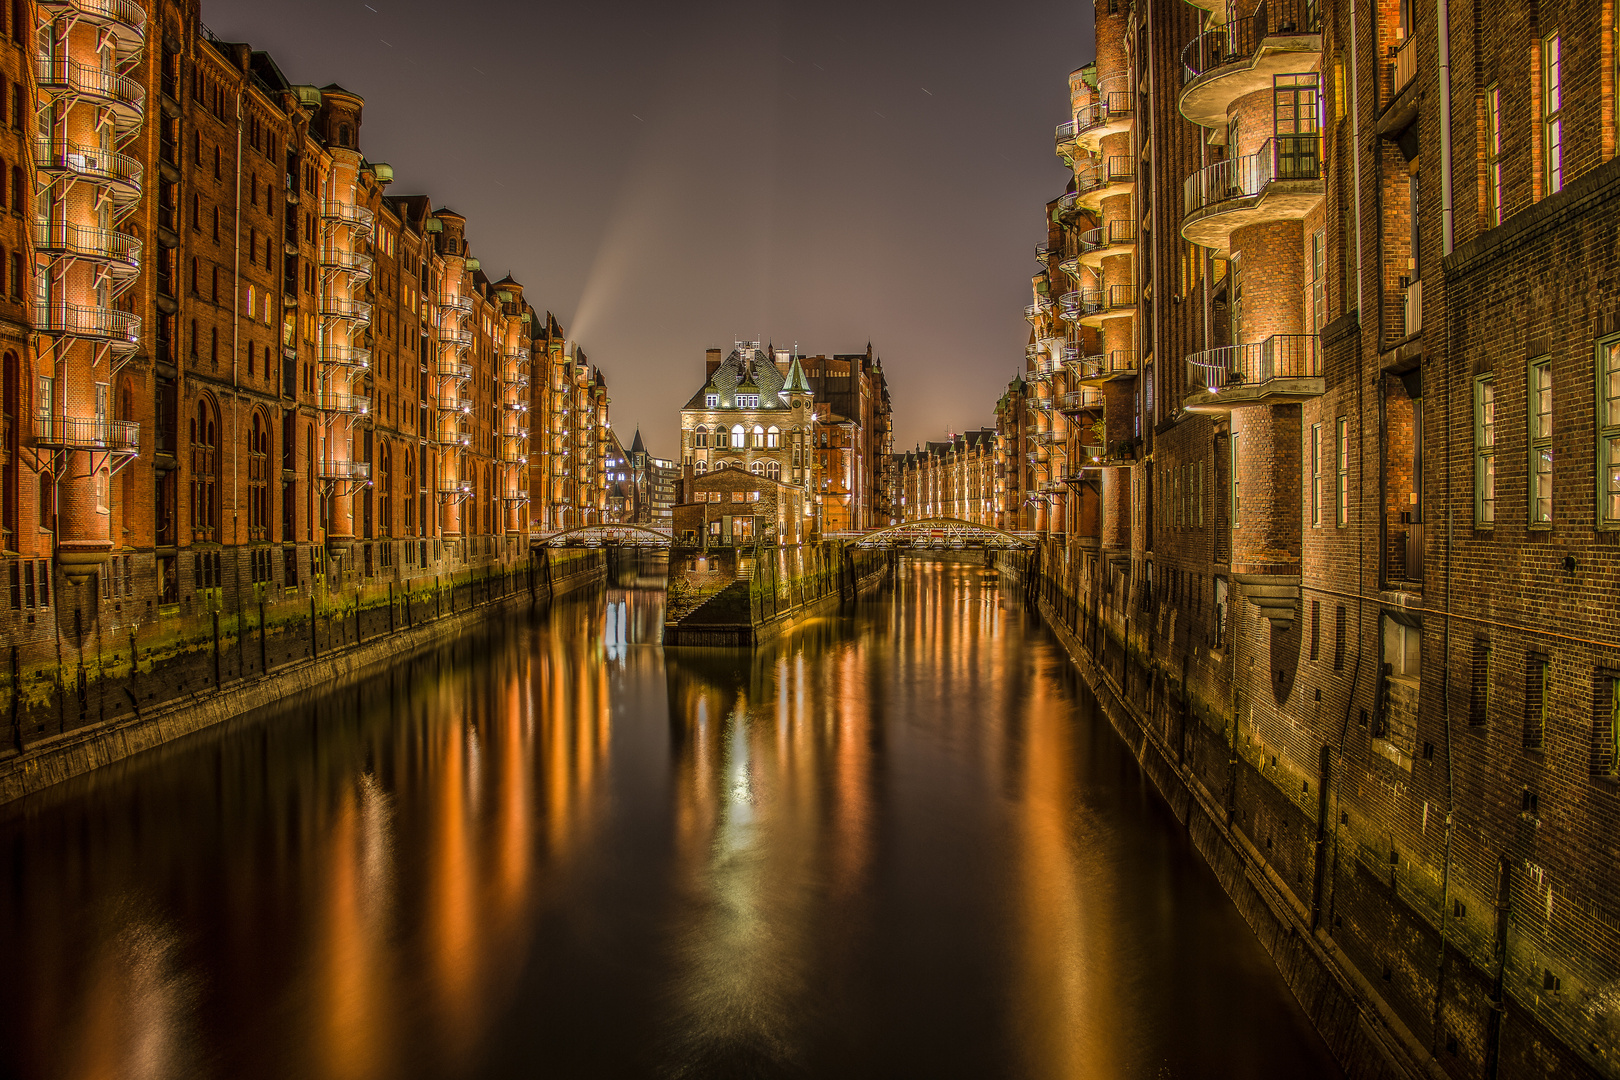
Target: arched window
x,y
737,435
720,465
205,472
758,439
773,470
721,439
258,499
756,467
773,437
700,437
700,468
385,490
10,436
410,492
343,134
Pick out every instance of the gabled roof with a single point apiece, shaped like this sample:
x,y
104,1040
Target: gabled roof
x,y
748,368
636,445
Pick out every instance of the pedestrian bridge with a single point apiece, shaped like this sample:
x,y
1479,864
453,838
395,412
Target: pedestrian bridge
x,y
943,534
606,536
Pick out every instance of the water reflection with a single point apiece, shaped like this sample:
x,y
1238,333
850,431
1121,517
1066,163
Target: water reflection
x,y
896,843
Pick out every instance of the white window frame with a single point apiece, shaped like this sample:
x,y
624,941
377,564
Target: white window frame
x,y
1552,112
1539,429
1608,433
1485,452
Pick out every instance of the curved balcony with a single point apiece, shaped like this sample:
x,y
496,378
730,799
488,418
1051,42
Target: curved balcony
x,y
460,305
1070,266
121,96
1282,181
520,354
1112,111
124,20
1038,404
119,173
460,337
86,433
1106,367
1281,369
119,329
515,406
1043,252
1085,399
346,356
1116,238
355,311
354,404
353,215
119,252
452,369
343,470
1220,66
1038,309
1070,305
1104,178
455,406
512,455
453,437
356,263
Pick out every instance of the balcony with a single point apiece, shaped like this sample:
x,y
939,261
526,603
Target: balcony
x,y
349,262
86,433
512,452
1038,404
1039,309
1412,307
353,404
520,354
121,96
460,305
1071,267
1113,302
1115,238
346,356
1282,181
1281,369
1104,178
1220,66
1402,68
452,369
119,252
1067,204
124,20
343,470
353,215
355,311
1110,112
1069,304
456,406
119,329
1043,252
460,337
1106,367
119,173
1085,399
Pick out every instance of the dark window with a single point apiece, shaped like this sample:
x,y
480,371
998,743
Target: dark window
x,y
1479,684
1338,638
1536,676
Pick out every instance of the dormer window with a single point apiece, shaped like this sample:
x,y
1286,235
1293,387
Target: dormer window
x,y
711,401
747,401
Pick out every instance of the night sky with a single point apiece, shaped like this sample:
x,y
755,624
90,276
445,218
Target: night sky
x,y
670,177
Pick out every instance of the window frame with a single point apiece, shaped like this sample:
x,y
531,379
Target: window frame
x,y
1552,113
1606,474
1485,452
1315,451
1537,443
1341,450
1495,210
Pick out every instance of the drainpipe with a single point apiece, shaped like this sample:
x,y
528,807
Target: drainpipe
x,y
1443,30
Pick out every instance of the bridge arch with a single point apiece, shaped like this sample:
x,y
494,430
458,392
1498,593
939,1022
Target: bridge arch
x,y
943,534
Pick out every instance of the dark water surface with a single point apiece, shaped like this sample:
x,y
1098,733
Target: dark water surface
x,y
899,844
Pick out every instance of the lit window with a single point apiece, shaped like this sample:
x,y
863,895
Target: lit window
x,y
711,401
1484,453
1609,430
1541,450
1552,112
1316,475
1342,492
1493,157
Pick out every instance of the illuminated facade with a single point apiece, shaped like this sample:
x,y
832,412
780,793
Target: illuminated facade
x,y
952,479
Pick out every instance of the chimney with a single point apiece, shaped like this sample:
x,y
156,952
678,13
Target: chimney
x,y
712,361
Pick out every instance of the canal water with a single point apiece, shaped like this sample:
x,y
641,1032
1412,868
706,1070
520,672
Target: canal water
x,y
899,843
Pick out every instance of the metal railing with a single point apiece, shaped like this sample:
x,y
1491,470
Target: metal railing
x,y
1069,305
1240,39
1040,307
1404,67
89,162
87,433
344,403
343,470
92,83
353,262
348,214
86,321
456,335
1105,172
461,305
1283,157
1116,232
124,13
1113,362
452,369
88,242
1042,253
346,356
1281,356
337,307
1087,397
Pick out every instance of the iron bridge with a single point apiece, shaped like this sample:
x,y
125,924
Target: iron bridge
x,y
606,536
940,534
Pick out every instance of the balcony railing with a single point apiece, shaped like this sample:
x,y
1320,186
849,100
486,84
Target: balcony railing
x,y
125,17
336,307
351,214
343,470
1104,173
456,335
120,171
461,305
118,250
1069,305
1114,363
353,262
453,369
1042,253
346,356
125,96
1284,157
1281,356
1240,39
1088,397
344,403
1116,233
520,354
1038,308
121,328
87,433
1404,67
1412,307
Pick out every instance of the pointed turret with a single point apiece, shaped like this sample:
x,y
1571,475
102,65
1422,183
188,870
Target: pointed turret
x,y
796,382
636,445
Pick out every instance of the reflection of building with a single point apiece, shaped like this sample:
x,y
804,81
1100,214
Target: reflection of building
x,y
733,506
952,479
655,480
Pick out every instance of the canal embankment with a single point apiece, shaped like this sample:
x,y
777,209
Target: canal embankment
x,y
1366,1034
88,711
743,597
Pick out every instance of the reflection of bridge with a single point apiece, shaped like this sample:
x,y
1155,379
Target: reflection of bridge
x,y
606,536
941,534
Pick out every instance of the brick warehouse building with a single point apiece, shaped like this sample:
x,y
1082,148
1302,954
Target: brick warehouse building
x,y
955,478
249,376
1343,281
